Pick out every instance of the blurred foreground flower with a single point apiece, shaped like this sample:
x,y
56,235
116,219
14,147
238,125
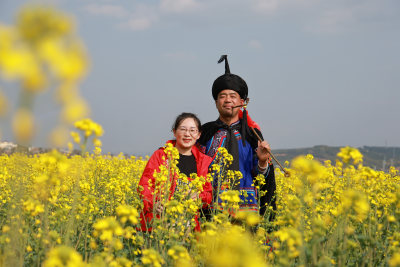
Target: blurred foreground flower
x,y
3,104
127,213
23,125
63,256
248,217
43,51
180,256
355,202
230,247
152,258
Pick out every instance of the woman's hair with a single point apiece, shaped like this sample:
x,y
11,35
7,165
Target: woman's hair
x,y
183,116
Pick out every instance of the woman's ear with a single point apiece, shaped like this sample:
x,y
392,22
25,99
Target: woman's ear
x,y
174,133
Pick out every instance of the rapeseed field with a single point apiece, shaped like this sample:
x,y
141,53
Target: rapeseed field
x,y
61,209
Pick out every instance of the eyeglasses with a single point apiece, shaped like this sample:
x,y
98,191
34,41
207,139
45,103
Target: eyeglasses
x,y
192,131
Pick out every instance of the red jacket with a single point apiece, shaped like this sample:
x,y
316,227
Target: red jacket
x,y
202,164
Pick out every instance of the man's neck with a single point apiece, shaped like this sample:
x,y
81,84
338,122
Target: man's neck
x,y
229,120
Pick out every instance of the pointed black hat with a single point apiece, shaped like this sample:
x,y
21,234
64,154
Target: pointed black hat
x,y
229,81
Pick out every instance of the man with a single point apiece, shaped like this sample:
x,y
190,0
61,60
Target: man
x,y
232,131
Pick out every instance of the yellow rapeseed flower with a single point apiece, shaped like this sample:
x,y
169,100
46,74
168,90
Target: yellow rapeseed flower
x,y
126,213
37,22
108,227
349,153
150,257
76,137
311,169
395,260
231,196
180,256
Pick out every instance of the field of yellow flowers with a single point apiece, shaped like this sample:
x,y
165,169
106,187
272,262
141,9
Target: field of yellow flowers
x,y
84,210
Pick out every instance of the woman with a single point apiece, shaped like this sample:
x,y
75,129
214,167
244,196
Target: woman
x,y
186,130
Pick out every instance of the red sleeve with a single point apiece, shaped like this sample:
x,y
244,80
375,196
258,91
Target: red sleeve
x,y
206,194
146,191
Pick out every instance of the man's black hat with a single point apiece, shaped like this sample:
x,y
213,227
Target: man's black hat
x,y
229,81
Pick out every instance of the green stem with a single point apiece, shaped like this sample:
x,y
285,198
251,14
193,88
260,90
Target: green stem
x,y
84,146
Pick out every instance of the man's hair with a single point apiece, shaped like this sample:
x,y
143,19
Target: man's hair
x,y
182,117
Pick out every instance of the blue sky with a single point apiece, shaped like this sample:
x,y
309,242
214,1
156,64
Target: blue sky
x,y
318,71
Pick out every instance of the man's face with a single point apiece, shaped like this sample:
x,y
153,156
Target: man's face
x,y
226,100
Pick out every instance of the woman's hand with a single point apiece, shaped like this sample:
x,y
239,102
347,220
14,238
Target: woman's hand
x,y
159,208
193,195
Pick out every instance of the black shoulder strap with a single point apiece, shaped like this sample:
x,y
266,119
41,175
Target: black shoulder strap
x,y
207,132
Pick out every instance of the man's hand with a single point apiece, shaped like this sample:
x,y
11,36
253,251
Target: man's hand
x,y
263,155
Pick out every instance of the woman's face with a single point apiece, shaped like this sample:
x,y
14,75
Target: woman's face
x,y
186,134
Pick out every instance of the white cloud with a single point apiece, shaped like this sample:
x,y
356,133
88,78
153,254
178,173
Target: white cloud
x,y
320,16
138,24
143,18
315,16
346,17
107,10
255,44
265,6
274,6
333,21
178,6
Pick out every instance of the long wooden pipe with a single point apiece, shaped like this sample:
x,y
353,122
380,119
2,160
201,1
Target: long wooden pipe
x,y
287,174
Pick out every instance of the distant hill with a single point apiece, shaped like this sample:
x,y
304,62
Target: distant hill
x,y
379,158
